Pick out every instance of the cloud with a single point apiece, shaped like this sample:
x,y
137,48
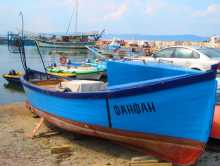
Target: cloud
x,y
212,10
54,15
117,13
162,8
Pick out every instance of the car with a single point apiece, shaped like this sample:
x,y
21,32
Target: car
x,y
198,58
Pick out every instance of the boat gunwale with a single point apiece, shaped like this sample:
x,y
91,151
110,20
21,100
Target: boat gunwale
x,y
11,76
130,90
64,43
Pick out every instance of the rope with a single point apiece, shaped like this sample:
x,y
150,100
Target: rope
x,y
38,50
70,22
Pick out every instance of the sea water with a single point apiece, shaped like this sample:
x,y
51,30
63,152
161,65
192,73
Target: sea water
x,y
9,61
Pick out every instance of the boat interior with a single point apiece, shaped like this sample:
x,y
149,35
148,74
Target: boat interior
x,y
122,75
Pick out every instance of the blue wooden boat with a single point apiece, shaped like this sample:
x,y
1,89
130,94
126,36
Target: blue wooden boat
x,y
148,106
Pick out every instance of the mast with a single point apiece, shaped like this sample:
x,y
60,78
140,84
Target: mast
x,y
76,16
75,11
22,24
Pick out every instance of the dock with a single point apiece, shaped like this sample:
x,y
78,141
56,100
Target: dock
x,y
55,147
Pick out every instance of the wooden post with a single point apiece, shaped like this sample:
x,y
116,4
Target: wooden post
x,y
35,129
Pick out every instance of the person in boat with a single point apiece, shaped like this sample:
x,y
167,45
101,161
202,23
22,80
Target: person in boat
x,y
69,61
12,72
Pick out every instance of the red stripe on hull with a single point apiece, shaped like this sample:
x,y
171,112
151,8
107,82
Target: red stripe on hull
x,y
216,123
179,151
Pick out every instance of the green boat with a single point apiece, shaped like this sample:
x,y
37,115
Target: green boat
x,y
81,71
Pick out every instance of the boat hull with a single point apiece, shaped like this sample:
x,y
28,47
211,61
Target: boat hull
x,y
88,76
91,76
64,75
66,45
168,136
13,80
216,123
176,150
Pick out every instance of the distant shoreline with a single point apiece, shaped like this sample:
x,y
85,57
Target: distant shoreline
x,y
192,38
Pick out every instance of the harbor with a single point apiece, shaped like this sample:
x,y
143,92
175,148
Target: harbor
x,y
27,134
47,139
87,87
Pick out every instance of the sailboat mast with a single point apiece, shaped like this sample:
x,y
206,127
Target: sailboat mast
x,y
76,16
22,24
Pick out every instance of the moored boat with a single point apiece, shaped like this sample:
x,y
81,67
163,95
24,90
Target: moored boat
x,y
115,50
76,41
85,70
13,77
153,110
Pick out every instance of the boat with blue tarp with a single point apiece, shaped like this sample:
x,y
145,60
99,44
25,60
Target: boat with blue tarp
x,y
115,51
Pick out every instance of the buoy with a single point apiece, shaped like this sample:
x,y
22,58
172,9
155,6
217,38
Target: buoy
x,y
63,60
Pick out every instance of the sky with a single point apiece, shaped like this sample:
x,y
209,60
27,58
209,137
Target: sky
x,y
151,17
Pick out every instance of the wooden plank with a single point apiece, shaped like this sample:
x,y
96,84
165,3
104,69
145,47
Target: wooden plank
x,y
152,164
61,149
36,129
147,161
144,162
141,158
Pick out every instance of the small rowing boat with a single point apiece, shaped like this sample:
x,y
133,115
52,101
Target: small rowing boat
x,y
149,106
13,77
86,70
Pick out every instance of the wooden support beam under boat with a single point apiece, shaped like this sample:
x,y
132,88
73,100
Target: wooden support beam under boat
x,y
35,129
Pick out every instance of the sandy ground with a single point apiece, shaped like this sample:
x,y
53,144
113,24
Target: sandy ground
x,y
17,150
